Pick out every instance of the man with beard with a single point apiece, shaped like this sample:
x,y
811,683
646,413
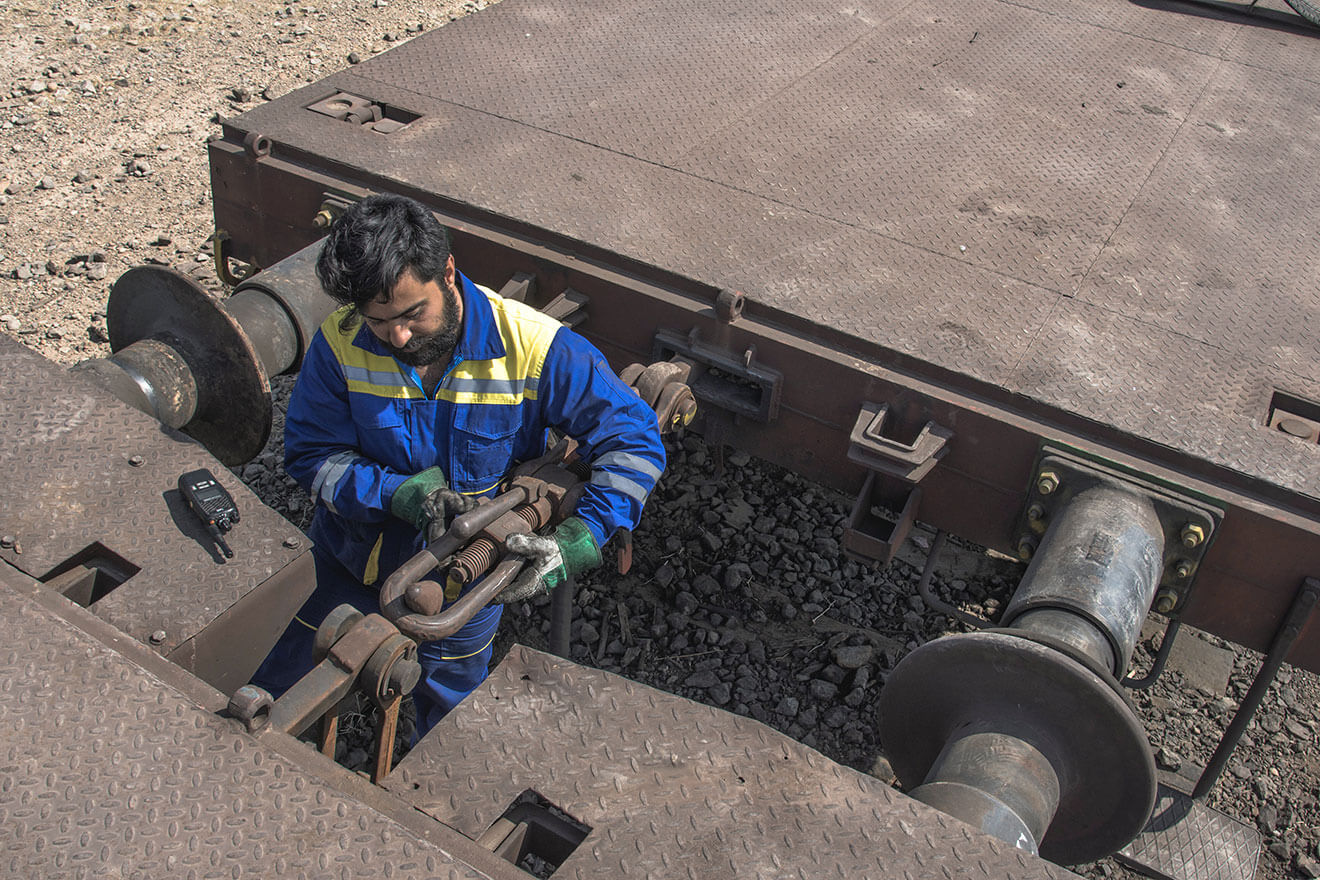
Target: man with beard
x,y
415,399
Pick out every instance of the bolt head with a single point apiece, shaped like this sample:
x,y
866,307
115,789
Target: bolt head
x,y
1183,569
1026,548
1165,601
136,461
1047,482
292,543
158,636
1192,535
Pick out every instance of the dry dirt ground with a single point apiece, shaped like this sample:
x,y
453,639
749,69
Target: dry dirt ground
x,y
105,110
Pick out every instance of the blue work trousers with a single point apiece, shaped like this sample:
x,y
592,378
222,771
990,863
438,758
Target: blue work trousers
x,y
451,668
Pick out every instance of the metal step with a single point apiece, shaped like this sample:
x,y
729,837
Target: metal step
x,y
1186,840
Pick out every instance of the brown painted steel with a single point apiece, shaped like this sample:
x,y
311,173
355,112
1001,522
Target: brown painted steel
x,y
671,788
1066,221
132,770
86,477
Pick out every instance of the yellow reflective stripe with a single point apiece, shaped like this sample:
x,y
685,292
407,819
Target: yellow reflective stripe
x,y
373,563
359,364
526,334
392,392
473,654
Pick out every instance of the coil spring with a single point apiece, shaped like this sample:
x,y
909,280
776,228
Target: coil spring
x,y
479,556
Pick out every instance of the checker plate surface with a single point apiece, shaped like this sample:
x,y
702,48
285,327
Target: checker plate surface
x,y
1188,841
1103,207
672,788
106,771
68,484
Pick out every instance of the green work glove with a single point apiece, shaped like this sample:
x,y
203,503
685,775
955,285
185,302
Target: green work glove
x,y
426,501
551,560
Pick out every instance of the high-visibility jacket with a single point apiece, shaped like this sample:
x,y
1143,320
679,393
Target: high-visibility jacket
x,y
359,424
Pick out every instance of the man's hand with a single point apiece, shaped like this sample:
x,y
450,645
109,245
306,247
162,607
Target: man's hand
x,y
426,501
550,560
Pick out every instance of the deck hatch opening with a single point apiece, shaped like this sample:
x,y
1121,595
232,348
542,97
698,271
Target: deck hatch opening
x,y
534,835
90,575
1294,416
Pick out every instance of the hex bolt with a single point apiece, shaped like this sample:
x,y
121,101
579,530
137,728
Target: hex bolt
x,y
136,461
1165,601
292,543
1183,569
1047,482
1026,547
324,219
1192,535
158,636
8,541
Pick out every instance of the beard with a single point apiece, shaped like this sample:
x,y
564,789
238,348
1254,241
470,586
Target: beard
x,y
438,347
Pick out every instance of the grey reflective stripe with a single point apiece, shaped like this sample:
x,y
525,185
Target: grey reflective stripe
x,y
328,477
485,386
631,488
376,377
628,460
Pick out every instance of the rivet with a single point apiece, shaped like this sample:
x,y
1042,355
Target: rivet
x,y
7,541
292,543
158,636
136,461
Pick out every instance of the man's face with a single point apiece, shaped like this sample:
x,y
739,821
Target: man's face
x,y
421,321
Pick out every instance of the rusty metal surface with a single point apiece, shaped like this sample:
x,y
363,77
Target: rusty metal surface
x,y
671,788
111,771
67,467
1101,207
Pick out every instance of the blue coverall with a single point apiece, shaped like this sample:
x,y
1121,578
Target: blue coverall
x,y
359,424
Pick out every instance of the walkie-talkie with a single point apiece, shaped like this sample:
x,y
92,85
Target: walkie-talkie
x,y
211,503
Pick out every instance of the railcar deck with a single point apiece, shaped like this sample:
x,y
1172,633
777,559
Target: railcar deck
x,y
1029,221
1103,206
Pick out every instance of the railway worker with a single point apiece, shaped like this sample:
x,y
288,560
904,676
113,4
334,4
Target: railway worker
x,y
415,398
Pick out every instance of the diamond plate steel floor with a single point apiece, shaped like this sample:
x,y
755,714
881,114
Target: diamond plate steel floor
x,y
79,469
1186,840
1105,207
672,788
107,771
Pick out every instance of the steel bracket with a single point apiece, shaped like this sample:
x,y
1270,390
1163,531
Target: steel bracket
x,y
893,470
1189,522
724,379
909,462
870,537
